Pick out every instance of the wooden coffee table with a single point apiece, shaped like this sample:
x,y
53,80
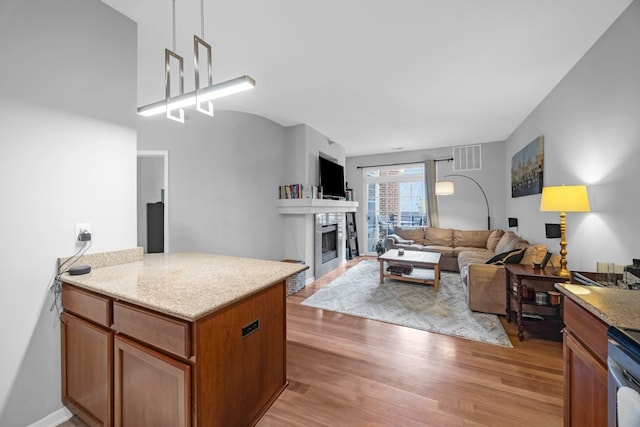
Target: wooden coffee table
x,y
428,261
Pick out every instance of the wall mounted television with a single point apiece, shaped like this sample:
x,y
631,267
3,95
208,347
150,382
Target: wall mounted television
x,y
331,179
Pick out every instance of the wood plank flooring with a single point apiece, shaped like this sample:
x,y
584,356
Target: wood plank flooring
x,y
349,371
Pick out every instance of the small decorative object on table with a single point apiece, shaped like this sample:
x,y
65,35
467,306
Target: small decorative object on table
x,y
400,251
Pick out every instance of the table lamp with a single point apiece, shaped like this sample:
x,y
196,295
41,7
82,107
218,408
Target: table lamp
x,y
563,199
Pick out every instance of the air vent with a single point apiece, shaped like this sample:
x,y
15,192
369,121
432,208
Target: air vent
x,y
467,158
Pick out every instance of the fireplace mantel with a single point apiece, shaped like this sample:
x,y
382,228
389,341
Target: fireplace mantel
x,y
314,206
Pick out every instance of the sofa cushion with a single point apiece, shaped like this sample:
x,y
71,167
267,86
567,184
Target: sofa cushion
x,y
485,253
444,250
471,257
508,242
534,253
493,239
438,236
510,257
471,239
415,234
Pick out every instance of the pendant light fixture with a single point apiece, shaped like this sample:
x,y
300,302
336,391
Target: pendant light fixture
x,y
201,97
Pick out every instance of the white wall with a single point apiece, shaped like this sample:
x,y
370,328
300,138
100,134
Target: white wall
x,y
67,155
591,125
466,209
224,174
304,145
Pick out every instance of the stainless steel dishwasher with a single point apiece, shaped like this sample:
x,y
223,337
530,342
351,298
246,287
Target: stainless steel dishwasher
x,y
624,377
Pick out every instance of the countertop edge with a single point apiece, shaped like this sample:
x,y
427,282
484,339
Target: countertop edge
x,y
227,293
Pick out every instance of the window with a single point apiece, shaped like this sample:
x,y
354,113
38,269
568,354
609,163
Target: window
x,y
395,196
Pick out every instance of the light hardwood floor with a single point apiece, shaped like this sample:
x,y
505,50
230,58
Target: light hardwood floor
x,y
349,371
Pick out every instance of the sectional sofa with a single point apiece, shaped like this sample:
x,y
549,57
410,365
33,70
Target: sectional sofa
x,y
478,255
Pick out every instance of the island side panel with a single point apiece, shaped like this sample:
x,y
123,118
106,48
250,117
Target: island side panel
x,y
238,377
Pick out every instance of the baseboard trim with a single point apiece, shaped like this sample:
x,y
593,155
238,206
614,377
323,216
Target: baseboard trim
x,y
54,419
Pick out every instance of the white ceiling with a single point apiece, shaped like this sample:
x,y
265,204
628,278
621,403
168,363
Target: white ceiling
x,y
378,75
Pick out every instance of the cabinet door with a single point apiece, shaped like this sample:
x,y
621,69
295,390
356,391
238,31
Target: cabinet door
x,y
87,369
585,385
151,389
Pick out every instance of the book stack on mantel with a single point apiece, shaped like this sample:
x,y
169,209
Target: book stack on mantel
x,y
298,191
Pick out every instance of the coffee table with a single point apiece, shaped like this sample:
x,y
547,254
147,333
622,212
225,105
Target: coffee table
x,y
429,261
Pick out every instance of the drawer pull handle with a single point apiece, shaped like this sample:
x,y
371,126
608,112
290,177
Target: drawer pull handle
x,y
250,328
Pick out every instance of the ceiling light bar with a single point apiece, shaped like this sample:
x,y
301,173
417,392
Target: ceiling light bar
x,y
200,97
218,90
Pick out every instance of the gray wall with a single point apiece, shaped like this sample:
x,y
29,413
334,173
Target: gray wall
x,y
591,125
466,209
224,175
67,155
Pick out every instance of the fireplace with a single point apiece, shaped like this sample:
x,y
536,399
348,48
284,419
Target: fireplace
x,y
329,239
329,250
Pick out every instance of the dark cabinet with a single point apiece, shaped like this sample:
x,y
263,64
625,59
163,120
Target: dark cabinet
x,y
155,227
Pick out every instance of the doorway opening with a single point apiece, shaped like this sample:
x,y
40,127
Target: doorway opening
x,y
153,200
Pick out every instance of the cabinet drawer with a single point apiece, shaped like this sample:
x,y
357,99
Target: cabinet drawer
x,y
590,330
155,329
88,305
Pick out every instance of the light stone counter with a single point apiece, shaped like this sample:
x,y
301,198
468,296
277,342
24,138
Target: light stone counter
x,y
615,307
185,285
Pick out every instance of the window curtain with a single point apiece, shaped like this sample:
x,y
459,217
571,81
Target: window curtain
x,y
430,193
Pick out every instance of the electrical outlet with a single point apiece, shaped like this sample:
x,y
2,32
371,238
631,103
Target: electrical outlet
x,y
82,227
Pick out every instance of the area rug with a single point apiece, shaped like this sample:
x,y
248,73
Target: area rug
x,y
358,292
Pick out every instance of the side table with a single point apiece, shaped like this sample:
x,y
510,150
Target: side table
x,y
516,301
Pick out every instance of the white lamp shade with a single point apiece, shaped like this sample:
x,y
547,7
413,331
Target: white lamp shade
x,y
444,188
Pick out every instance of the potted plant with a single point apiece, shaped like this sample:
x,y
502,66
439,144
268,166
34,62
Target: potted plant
x,y
380,247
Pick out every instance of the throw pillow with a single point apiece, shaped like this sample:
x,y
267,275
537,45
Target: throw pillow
x,y
400,240
493,239
415,234
509,257
534,253
507,242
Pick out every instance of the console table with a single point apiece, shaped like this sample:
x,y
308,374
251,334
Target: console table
x,y
541,280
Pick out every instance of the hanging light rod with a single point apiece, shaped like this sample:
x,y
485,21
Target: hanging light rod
x,y
189,99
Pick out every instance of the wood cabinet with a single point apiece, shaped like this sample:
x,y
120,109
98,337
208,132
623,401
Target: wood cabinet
x,y
585,368
87,365
151,388
127,365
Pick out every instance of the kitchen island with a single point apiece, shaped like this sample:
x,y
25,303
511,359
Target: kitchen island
x,y
588,313
184,339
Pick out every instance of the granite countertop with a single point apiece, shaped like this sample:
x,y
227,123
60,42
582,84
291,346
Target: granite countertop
x,y
614,306
185,285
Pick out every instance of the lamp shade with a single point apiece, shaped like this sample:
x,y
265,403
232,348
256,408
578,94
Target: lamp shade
x,y
565,198
444,188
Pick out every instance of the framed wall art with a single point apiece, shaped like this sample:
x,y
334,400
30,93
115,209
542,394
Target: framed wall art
x,y
527,167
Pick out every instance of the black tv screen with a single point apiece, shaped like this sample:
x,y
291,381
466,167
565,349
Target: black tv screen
x,y
331,179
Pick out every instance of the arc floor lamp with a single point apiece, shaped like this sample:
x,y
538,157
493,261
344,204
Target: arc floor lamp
x,y
447,188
